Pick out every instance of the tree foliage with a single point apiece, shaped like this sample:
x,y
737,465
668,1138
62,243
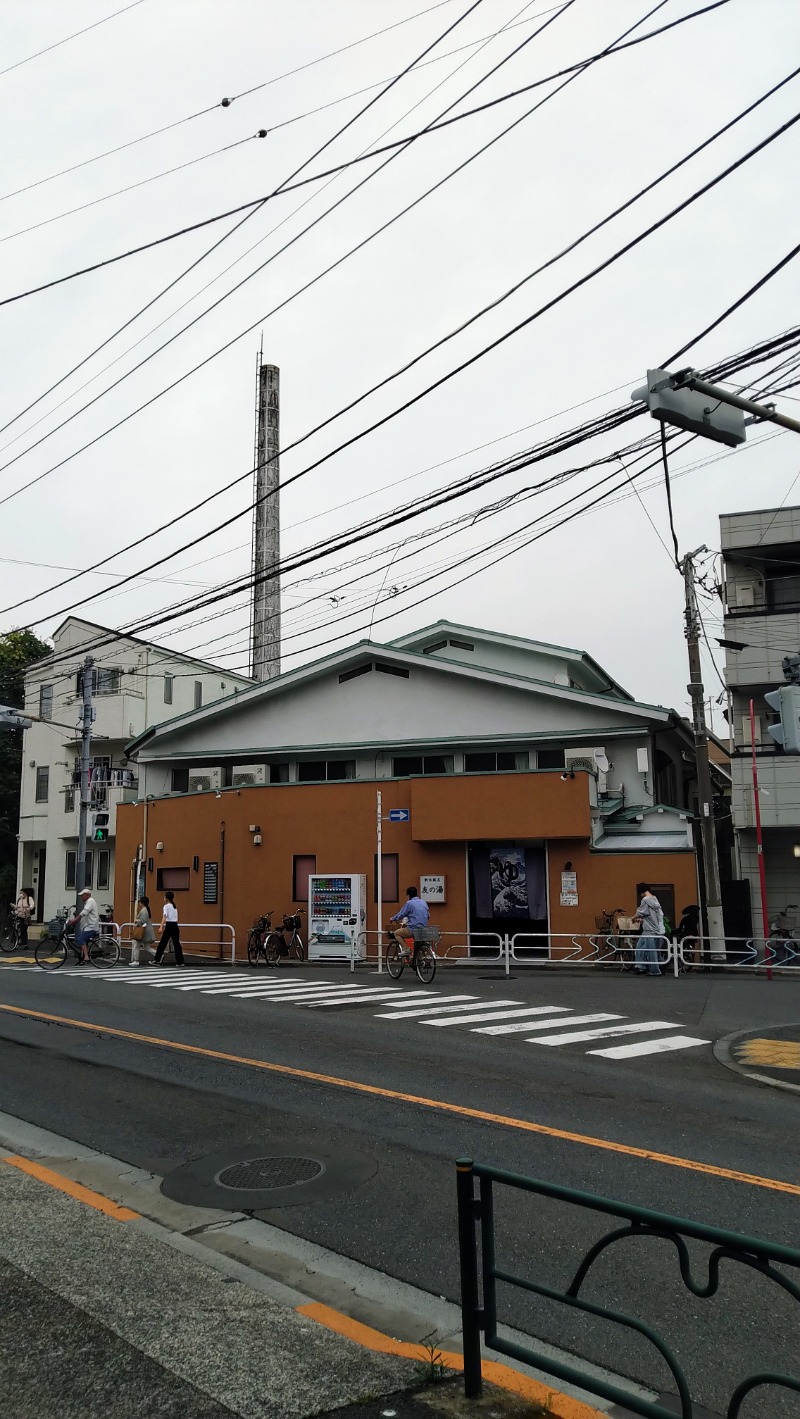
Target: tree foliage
x,y
18,649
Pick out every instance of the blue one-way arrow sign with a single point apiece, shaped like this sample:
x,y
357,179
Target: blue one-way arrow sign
x,y
399,815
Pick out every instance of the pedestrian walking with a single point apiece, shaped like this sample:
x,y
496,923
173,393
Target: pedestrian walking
x,y
143,934
651,916
169,931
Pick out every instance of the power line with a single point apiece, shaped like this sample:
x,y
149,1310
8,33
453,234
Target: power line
x,y
131,187
223,103
352,251
250,213
234,211
408,403
773,271
466,363
57,45
731,364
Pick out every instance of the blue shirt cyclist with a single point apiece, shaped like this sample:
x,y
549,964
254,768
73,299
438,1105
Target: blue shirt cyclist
x,y
414,912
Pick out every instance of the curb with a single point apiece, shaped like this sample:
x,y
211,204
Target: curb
x,y
723,1052
548,1398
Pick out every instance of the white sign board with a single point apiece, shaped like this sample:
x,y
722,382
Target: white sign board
x,y
432,888
569,889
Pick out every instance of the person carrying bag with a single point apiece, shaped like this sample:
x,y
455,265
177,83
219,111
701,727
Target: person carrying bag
x,y
143,933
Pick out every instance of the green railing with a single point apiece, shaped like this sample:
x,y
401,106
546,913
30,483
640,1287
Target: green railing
x,y
476,1213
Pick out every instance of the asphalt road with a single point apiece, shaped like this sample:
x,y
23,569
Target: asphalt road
x,y
160,1108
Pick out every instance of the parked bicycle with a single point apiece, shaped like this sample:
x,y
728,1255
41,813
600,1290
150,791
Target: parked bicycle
x,y
52,951
285,942
11,934
257,938
414,948
615,941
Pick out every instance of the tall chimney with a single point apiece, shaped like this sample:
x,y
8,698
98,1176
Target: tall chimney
x,y
266,611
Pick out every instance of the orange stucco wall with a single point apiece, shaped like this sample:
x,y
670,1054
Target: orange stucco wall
x,y
336,823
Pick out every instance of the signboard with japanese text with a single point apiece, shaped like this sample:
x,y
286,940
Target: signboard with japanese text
x,y
433,888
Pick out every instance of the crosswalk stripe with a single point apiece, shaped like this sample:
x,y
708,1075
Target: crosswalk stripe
x,y
435,1008
368,997
401,1013
649,1047
284,993
520,1027
240,984
579,1036
488,1013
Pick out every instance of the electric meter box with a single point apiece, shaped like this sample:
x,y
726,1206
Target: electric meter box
x,y
337,916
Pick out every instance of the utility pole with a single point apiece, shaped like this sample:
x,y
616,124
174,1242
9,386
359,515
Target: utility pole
x,y
266,612
714,924
87,715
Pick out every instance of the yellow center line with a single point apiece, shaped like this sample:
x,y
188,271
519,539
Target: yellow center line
x,y
397,1096
72,1189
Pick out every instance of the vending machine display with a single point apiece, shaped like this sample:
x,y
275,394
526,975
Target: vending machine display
x,y
337,915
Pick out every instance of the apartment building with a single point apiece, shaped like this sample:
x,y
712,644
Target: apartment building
x,y
136,684
761,571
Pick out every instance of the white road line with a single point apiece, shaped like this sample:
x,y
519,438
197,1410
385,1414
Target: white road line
x,y
546,1024
488,1013
291,992
367,997
436,1009
401,1013
649,1047
578,1036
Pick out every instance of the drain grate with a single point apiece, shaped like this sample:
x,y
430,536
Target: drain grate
x,y
258,1173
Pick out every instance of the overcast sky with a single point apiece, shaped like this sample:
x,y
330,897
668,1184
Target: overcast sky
x,y
604,582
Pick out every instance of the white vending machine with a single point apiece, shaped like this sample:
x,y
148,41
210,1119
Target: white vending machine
x,y
337,915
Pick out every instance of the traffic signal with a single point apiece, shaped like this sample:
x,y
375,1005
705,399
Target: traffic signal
x,y
100,828
786,732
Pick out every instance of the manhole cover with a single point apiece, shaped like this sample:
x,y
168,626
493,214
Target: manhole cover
x,y
269,1173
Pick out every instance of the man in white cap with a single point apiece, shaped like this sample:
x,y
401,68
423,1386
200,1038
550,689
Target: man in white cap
x,y
87,922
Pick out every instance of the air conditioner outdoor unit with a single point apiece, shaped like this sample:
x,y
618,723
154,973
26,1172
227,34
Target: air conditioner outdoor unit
x,y
588,759
203,780
248,775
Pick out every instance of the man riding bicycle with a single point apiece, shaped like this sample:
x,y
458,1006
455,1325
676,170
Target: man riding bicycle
x,y
412,917
87,922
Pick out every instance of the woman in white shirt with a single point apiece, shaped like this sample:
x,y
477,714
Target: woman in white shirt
x,y
169,931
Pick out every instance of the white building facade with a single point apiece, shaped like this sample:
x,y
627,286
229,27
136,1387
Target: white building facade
x,y
136,685
761,564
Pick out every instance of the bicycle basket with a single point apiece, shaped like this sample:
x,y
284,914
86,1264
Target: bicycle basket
x,y
428,935
291,923
56,927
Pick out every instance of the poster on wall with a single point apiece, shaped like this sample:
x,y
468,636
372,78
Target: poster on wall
x,y
509,881
569,889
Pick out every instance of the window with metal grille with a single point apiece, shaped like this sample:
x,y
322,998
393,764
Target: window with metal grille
x,y
45,702
42,784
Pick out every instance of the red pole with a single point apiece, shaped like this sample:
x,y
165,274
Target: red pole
x,y
762,875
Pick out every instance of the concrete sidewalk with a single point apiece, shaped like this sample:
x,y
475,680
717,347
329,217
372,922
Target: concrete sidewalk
x,y
101,1318
107,1315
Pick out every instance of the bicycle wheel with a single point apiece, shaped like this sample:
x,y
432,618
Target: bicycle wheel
x,y
395,960
8,939
255,949
273,949
50,954
297,950
104,951
425,964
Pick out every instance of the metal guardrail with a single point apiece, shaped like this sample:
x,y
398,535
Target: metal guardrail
x,y
753,1252
370,948
202,946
